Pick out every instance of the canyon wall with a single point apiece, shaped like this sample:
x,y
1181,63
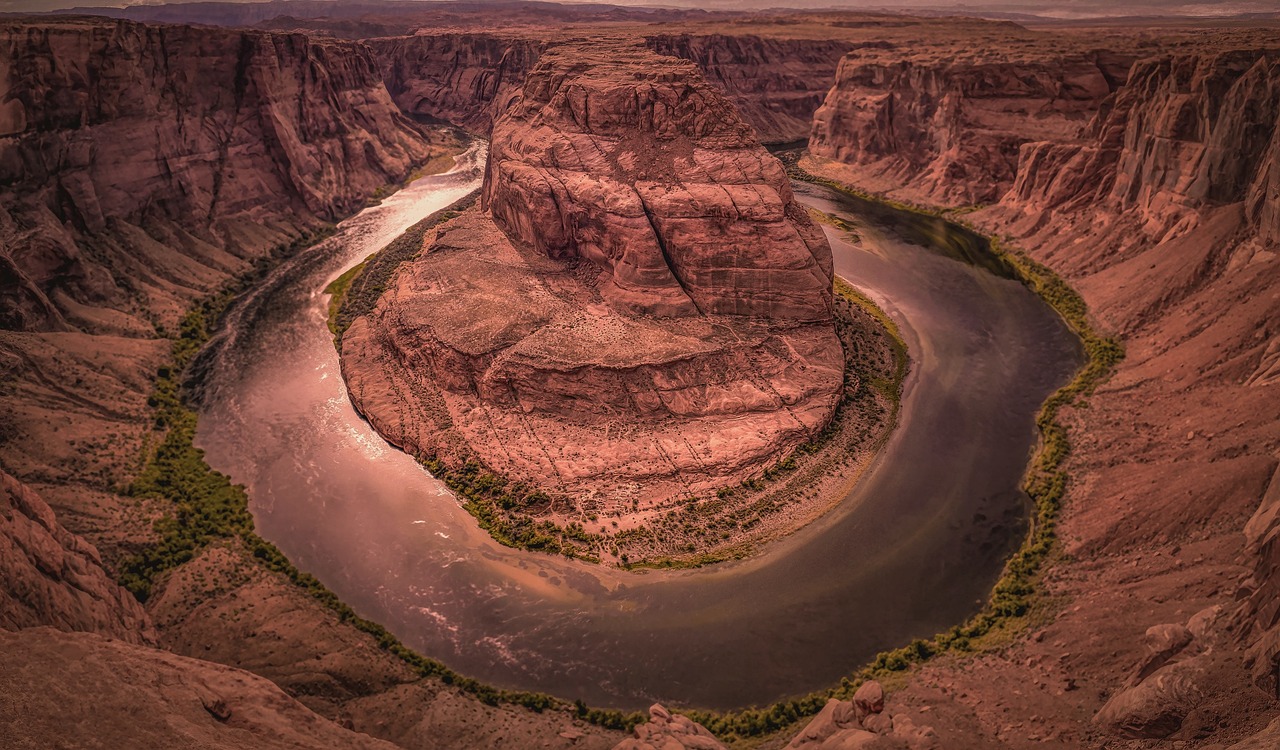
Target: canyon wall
x,y
463,78
468,78
950,122
1161,211
641,313
776,83
140,166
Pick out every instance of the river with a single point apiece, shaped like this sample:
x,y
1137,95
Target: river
x,y
913,550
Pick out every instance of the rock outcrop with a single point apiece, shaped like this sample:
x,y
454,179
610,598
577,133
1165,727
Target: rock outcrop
x,y
141,165
951,122
861,724
463,78
642,313
667,731
776,83
84,690
49,576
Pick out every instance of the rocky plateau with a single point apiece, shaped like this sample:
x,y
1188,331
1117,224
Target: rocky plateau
x,y
662,313
144,165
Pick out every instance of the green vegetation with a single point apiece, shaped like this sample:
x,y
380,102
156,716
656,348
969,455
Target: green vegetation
x,y
337,291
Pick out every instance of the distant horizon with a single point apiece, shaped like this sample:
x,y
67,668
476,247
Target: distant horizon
x,y
1068,10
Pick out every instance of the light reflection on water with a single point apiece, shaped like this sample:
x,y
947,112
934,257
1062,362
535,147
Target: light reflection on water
x,y
911,552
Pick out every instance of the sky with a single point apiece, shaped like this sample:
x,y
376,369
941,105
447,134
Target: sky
x,y
1051,8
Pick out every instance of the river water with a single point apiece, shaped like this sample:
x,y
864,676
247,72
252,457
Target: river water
x,y
913,550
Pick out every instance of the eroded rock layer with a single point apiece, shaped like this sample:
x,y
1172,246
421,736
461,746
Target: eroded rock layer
x,y
139,166
1161,210
776,84
951,121
641,313
465,79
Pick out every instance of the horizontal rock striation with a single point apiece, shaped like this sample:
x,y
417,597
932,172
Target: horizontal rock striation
x,y
1162,211
49,576
951,122
1188,133
641,169
642,313
775,83
466,79
140,165
469,78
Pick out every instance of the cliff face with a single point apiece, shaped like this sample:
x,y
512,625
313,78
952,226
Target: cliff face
x,y
139,166
1162,212
776,84
468,79
1187,133
464,79
950,123
642,313
49,576
644,171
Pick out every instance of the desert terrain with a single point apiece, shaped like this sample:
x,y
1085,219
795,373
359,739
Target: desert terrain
x,y
154,168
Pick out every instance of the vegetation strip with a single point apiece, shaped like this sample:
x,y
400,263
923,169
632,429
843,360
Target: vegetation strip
x,y
208,508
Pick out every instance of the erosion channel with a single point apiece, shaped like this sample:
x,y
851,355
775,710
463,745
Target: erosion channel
x,y
912,550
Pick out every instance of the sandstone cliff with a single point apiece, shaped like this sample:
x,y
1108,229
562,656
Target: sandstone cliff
x,y
776,83
465,79
140,166
49,576
642,314
468,78
950,122
1161,211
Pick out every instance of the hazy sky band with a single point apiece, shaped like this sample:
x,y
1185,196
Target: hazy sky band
x,y
1060,9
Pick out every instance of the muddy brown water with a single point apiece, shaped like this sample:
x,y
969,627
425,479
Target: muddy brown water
x,y
913,549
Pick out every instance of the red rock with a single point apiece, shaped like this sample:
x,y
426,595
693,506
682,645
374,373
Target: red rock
x,y
49,576
86,690
465,79
951,121
665,731
647,314
776,83
176,153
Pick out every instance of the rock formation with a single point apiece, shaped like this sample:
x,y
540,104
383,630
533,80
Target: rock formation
x,y
776,83
1161,210
468,78
861,723
465,79
950,122
49,576
642,313
665,731
139,166
124,695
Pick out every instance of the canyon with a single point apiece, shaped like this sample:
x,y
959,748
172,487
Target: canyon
x,y
630,367
143,166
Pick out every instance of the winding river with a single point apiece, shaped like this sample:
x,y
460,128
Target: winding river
x,y
911,551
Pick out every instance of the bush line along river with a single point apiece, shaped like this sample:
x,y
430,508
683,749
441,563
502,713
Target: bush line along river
x,y
441,585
